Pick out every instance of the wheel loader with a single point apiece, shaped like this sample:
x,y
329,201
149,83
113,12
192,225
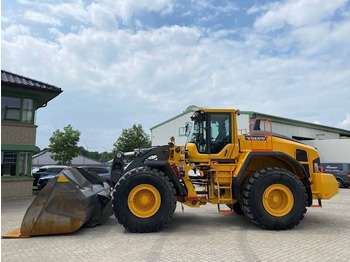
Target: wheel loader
x,y
269,178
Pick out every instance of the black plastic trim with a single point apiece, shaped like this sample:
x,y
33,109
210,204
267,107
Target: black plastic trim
x,y
223,161
162,153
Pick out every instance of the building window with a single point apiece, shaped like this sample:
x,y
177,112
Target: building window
x,y
27,112
17,109
15,163
10,108
23,164
8,163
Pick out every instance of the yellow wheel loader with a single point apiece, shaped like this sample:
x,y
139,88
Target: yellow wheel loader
x,y
269,178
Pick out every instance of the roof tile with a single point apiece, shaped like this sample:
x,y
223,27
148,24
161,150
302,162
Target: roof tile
x,y
11,78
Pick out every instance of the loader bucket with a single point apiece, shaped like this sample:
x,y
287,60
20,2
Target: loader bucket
x,y
74,199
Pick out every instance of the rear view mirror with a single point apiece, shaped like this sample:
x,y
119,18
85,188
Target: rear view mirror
x,y
188,128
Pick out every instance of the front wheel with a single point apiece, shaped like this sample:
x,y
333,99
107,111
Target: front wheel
x,y
274,198
144,200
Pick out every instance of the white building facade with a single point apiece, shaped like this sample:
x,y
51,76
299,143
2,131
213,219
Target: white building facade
x,y
174,127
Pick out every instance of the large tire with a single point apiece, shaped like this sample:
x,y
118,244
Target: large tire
x,y
144,200
115,176
236,207
274,199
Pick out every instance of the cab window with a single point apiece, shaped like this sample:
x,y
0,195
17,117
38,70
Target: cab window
x,y
219,131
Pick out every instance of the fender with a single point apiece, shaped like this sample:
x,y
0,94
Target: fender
x,y
161,155
293,163
165,166
118,170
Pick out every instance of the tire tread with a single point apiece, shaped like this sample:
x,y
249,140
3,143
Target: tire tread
x,y
124,179
247,200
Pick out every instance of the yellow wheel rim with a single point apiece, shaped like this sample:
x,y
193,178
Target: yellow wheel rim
x,y
278,200
144,200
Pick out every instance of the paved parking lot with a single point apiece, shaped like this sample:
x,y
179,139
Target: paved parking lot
x,y
195,235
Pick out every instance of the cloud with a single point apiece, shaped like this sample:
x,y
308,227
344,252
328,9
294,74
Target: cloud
x,y
103,13
73,10
102,18
327,38
15,30
207,11
126,9
118,75
294,12
174,65
41,18
346,122
221,7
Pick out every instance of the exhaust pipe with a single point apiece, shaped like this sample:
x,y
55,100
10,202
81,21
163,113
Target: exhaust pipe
x,y
74,199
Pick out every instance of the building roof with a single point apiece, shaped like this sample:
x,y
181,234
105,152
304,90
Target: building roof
x,y
13,83
18,80
189,109
43,158
298,123
276,119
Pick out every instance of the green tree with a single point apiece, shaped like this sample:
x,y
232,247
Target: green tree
x,y
131,138
63,145
106,156
93,155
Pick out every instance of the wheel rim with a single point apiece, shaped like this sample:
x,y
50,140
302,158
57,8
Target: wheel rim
x,y
144,200
278,200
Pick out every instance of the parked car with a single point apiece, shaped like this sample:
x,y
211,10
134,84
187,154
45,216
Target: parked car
x,y
103,172
42,182
46,171
34,170
341,171
49,174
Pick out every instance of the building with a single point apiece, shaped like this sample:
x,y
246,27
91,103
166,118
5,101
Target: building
x,y
44,159
337,149
174,127
21,97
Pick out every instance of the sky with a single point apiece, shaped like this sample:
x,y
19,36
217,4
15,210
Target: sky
x,y
125,62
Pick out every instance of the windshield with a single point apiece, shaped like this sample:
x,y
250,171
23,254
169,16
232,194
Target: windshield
x,y
198,132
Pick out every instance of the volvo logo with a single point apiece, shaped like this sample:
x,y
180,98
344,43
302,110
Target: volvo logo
x,y
255,138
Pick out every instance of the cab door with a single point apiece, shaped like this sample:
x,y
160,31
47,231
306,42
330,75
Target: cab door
x,y
220,138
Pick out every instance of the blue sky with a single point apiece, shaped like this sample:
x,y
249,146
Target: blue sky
x,y
122,62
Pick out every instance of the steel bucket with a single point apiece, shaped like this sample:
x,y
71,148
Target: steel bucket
x,y
74,199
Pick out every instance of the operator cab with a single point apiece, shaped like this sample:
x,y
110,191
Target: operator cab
x,y
211,133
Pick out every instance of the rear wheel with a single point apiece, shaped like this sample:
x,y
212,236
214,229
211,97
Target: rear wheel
x,y
236,207
144,200
274,198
